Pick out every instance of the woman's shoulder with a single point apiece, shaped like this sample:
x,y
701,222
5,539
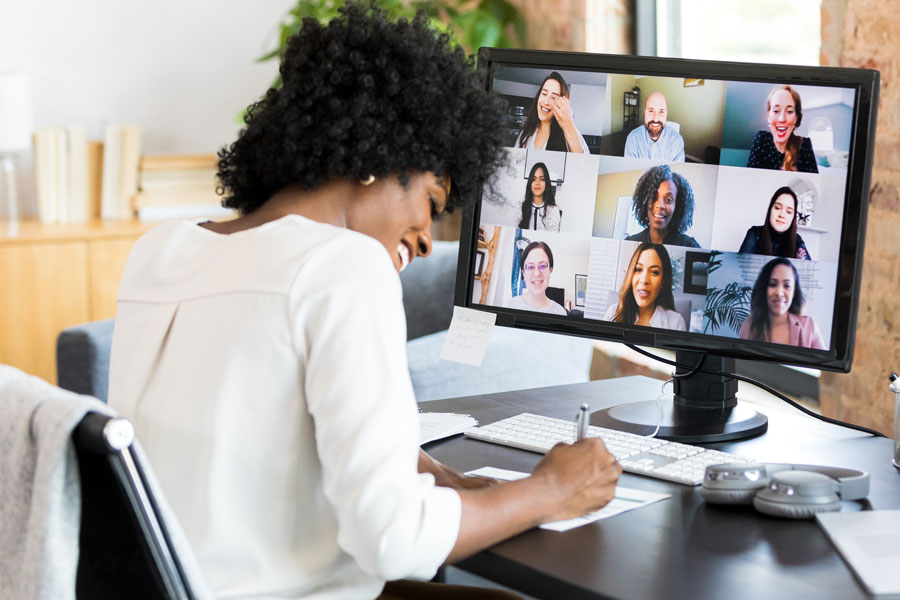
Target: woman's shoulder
x,y
682,239
641,236
762,136
556,308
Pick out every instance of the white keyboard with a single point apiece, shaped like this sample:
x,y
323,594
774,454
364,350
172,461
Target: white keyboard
x,y
672,461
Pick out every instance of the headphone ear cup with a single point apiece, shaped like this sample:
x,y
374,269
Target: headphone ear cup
x,y
733,483
727,496
793,511
798,495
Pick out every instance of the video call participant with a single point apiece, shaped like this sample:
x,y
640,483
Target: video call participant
x,y
537,266
263,360
539,210
778,235
663,202
776,307
780,147
646,295
549,124
654,139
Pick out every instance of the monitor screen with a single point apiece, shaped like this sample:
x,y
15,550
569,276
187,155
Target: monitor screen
x,y
689,205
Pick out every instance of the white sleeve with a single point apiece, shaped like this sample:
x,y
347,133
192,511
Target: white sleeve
x,y
348,321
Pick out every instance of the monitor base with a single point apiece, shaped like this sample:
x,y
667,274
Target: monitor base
x,y
689,425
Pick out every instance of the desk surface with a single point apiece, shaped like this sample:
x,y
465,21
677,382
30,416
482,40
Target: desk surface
x,y
680,547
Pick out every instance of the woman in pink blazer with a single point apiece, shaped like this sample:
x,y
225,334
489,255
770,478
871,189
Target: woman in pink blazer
x,y
776,306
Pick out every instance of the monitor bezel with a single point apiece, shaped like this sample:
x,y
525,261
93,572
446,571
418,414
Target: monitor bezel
x,y
839,356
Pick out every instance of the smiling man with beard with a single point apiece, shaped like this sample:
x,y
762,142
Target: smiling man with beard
x,y
654,139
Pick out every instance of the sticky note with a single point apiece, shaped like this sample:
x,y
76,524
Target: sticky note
x,y
468,336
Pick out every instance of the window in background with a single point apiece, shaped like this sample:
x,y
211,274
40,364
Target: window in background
x,y
770,31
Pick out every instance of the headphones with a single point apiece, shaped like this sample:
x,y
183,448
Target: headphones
x,y
784,490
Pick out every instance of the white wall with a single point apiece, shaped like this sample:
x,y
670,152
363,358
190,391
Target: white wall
x,y
182,71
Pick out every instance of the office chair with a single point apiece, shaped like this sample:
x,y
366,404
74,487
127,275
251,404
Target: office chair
x,y
126,546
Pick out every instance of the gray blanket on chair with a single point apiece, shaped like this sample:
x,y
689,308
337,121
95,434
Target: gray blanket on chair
x,y
40,491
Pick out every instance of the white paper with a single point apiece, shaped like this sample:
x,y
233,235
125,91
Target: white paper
x,y
625,499
468,336
436,426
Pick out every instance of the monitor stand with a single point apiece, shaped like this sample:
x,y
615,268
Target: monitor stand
x,y
704,409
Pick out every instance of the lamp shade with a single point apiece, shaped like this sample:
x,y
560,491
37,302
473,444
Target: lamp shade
x,y
15,111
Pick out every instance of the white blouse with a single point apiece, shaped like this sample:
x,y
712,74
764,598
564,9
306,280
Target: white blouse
x,y
265,374
662,318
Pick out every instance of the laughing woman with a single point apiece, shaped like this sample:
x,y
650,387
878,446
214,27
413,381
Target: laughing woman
x,y
262,360
646,295
780,147
549,124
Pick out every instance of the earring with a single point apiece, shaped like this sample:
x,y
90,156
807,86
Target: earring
x,y
368,181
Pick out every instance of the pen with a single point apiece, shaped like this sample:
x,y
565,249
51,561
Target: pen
x,y
581,422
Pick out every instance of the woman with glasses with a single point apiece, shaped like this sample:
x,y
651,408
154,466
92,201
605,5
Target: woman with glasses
x,y
539,210
646,295
537,265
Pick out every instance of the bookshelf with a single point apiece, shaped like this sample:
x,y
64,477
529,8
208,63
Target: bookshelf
x,y
53,276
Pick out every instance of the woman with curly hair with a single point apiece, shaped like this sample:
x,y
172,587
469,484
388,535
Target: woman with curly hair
x,y
780,147
663,203
263,360
539,210
549,124
776,309
646,295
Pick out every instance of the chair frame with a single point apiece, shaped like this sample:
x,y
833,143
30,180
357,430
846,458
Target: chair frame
x,y
113,438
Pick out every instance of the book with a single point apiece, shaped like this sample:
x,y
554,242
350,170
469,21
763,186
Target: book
x,y
110,181
179,186
95,178
76,199
121,159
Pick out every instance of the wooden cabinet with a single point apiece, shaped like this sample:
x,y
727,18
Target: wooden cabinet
x,y
53,277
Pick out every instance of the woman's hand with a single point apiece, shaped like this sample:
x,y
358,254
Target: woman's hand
x,y
562,111
582,476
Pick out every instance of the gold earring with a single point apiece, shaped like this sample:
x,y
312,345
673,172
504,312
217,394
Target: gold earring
x,y
368,181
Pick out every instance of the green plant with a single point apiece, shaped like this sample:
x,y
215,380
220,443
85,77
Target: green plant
x,y
728,306
472,24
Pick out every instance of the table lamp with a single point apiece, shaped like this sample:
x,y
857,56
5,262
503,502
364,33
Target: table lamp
x,y
15,134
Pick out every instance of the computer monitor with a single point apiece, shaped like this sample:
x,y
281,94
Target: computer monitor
x,y
714,209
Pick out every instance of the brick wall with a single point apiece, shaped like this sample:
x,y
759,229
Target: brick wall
x,y
866,33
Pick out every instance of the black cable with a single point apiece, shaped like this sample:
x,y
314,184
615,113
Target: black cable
x,y
759,384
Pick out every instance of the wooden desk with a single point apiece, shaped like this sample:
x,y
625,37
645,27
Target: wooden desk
x,y
53,276
680,547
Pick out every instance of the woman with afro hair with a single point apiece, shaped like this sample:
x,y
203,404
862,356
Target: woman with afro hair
x,y
262,360
664,204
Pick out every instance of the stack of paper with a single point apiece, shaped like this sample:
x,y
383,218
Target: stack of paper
x,y
436,426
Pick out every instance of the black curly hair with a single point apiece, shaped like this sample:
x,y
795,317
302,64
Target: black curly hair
x,y
645,194
366,96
